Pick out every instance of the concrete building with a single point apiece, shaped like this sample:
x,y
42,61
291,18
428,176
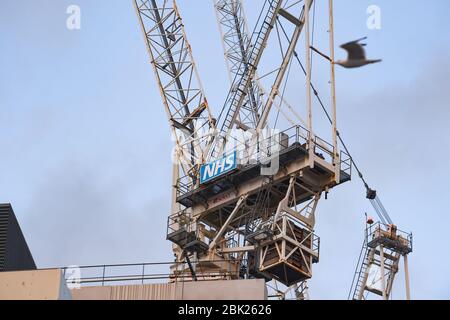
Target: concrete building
x,y
33,285
51,285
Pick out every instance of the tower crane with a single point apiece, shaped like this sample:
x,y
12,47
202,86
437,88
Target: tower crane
x,y
230,218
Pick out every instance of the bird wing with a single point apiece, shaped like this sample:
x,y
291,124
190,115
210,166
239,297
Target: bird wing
x,y
355,50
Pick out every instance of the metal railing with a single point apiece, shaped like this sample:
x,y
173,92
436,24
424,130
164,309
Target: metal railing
x,y
186,233
260,149
379,231
181,220
346,163
142,273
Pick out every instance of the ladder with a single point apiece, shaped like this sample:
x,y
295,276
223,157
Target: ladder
x,y
386,260
358,277
239,91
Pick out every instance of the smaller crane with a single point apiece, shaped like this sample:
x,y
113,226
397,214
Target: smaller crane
x,y
379,260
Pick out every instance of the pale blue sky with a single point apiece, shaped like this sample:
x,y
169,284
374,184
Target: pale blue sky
x,y
85,145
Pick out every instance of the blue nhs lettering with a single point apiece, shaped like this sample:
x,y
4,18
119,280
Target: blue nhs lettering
x,y
215,169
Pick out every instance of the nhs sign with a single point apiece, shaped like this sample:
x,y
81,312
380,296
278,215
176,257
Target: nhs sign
x,y
217,168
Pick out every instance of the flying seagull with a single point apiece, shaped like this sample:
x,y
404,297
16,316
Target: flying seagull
x,y
356,55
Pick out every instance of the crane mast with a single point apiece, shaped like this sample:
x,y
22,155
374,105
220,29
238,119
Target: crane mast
x,y
379,262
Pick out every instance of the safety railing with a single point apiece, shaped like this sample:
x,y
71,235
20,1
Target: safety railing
x,y
262,148
324,149
346,163
142,273
186,233
379,232
181,220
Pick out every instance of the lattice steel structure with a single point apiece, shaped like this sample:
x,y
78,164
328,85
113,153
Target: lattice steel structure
x,y
384,246
245,76
245,223
237,48
178,80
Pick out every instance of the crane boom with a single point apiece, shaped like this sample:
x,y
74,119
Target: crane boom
x,y
242,83
236,42
178,80
232,21
237,45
